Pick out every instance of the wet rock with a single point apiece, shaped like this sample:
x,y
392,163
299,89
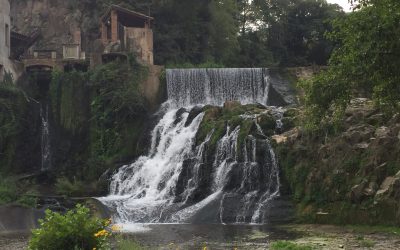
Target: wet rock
x,y
194,112
179,115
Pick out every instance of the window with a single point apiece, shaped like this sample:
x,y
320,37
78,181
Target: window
x,y
7,35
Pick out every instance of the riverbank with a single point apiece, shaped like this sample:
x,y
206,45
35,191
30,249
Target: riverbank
x,y
181,236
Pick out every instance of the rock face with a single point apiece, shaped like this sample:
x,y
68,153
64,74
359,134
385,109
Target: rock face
x,y
353,175
57,21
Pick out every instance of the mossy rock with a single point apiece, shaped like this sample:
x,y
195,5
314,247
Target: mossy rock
x,y
268,124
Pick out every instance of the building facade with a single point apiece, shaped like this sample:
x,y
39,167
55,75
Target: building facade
x,y
124,30
5,40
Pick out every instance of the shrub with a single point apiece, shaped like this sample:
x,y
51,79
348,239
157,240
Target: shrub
x,y
8,191
77,229
68,188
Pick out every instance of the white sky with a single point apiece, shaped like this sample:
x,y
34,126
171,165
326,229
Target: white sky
x,y
344,3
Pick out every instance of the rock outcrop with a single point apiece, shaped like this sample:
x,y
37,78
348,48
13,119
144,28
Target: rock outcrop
x,y
352,175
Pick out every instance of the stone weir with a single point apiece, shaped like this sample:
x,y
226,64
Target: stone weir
x,y
215,86
195,173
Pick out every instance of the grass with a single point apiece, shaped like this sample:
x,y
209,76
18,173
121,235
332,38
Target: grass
x,y
126,244
374,229
365,242
287,245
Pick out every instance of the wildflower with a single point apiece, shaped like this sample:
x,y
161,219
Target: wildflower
x,y
101,233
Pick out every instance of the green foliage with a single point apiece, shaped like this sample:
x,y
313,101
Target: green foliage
x,y
100,115
243,33
76,229
116,107
69,95
13,107
287,245
8,191
365,63
21,193
68,188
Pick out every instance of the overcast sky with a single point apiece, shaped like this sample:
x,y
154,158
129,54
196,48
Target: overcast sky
x,y
344,3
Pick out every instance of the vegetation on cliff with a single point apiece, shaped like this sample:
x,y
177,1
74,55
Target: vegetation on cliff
x,y
344,166
98,117
96,124
364,63
351,177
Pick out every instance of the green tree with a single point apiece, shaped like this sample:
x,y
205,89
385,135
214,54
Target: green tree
x,y
365,62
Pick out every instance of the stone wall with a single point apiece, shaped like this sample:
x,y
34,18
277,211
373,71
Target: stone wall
x,y
153,87
140,40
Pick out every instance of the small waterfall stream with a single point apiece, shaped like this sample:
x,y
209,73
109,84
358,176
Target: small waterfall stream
x,y
177,182
45,138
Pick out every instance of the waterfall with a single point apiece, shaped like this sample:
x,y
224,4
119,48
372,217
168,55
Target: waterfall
x,y
45,139
177,181
187,87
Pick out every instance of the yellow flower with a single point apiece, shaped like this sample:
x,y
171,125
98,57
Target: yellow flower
x,y
101,233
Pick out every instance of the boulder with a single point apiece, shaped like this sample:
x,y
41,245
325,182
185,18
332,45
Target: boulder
x,y
362,145
382,132
357,192
279,138
371,189
385,186
376,119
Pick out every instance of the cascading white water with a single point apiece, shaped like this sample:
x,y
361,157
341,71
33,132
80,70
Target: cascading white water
x,y
177,181
189,87
45,139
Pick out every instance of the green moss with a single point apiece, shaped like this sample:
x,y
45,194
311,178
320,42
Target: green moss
x,y
70,100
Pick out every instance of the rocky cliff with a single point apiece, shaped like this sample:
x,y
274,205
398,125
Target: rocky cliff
x,y
352,176
58,20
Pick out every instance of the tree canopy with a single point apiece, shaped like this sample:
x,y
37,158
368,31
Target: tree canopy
x,y
365,62
240,33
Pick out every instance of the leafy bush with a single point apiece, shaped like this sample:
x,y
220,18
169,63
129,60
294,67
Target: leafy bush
x,y
77,229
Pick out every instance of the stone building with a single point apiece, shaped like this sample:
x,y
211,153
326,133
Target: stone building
x,y
123,30
5,40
